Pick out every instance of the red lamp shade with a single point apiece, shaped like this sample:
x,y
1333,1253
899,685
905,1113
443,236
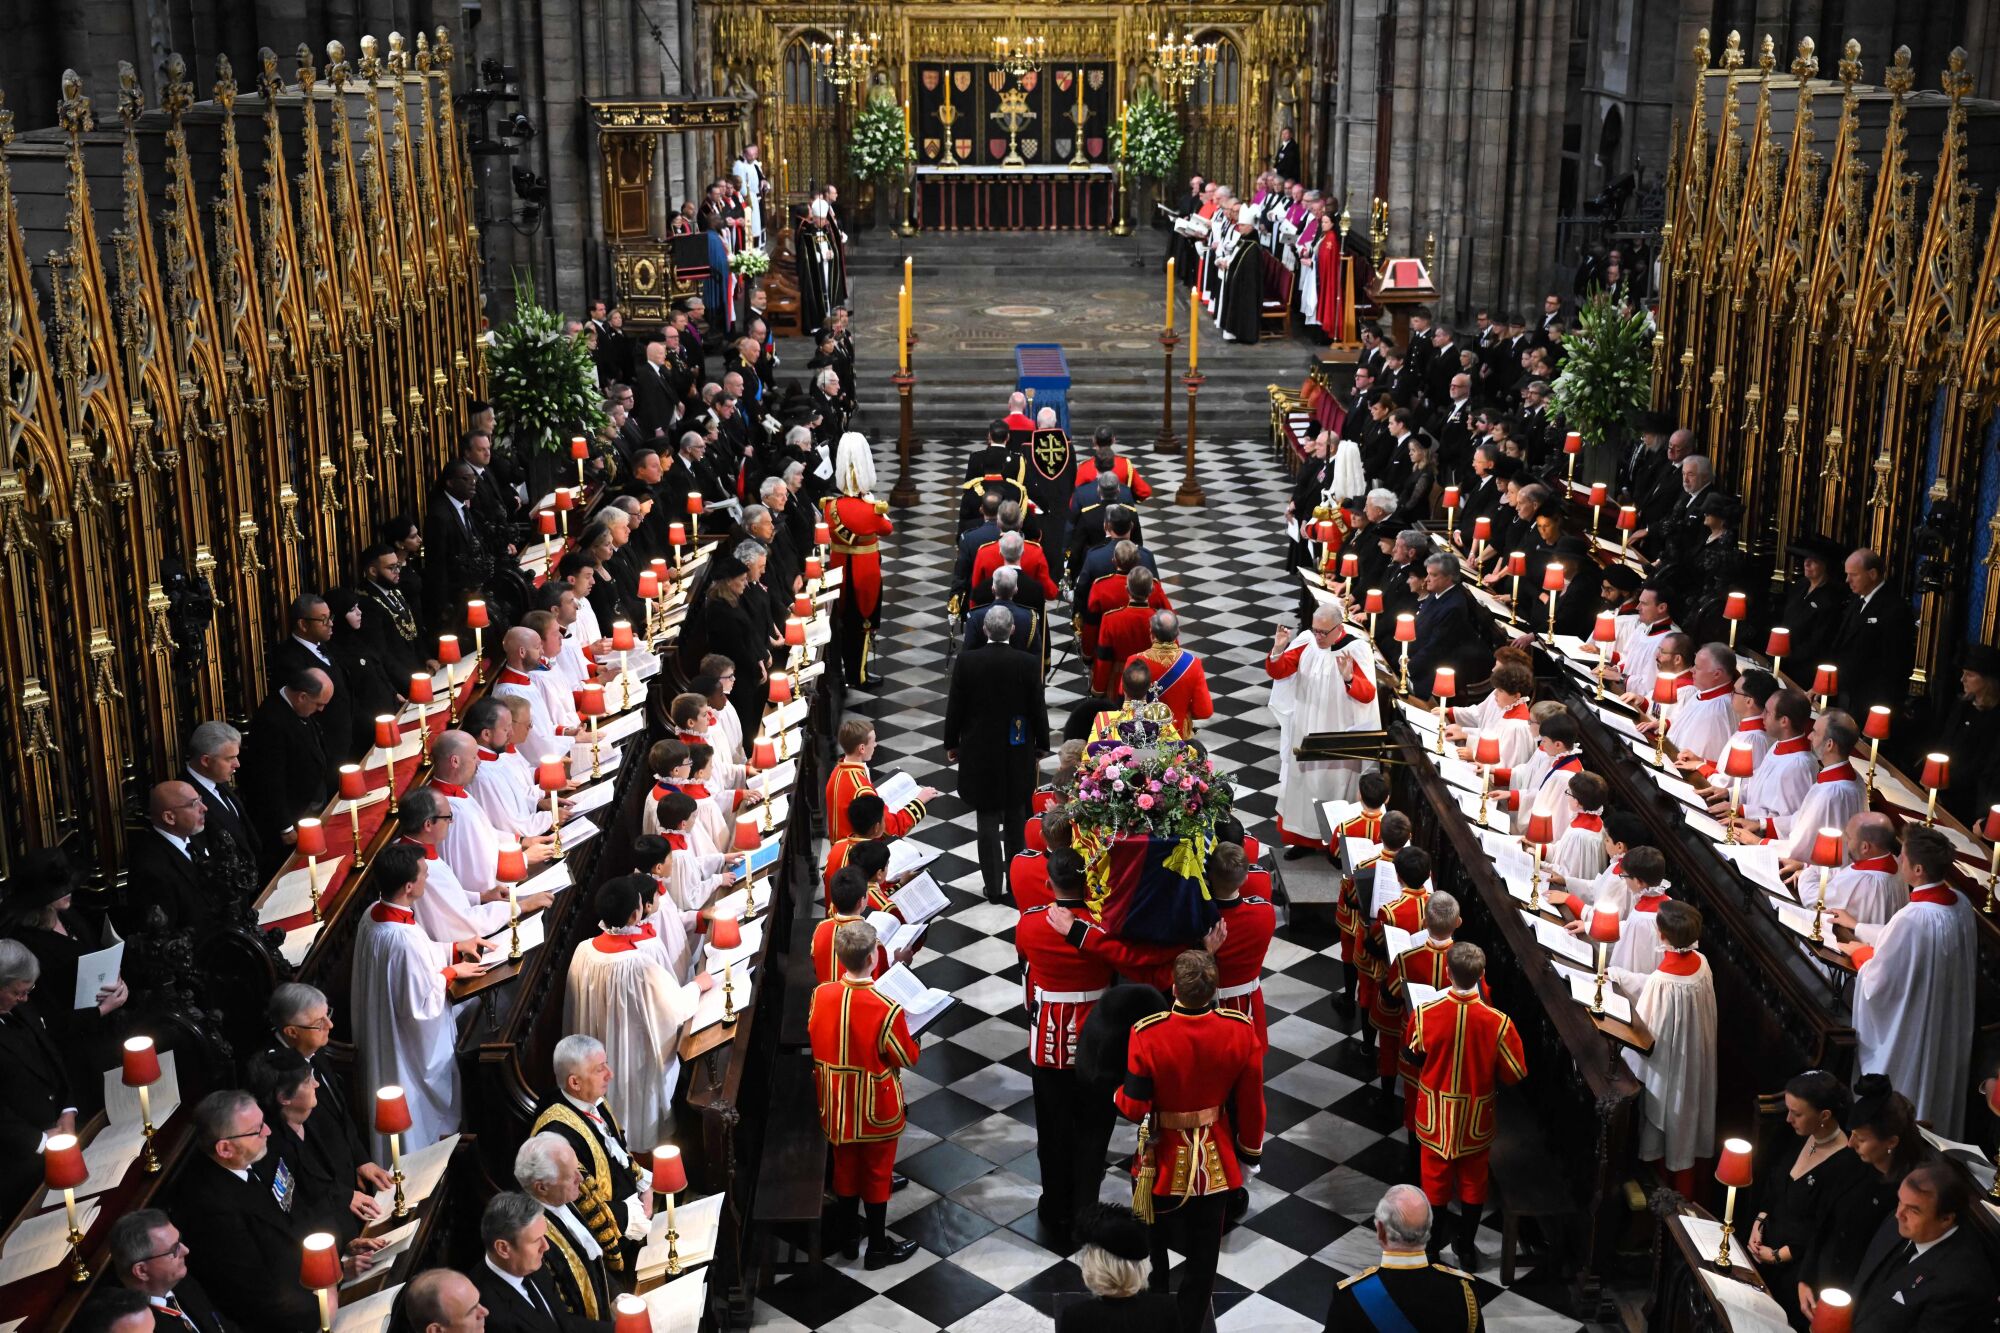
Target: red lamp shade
x,y
550,774
1827,847
1876,728
565,498
62,1162
387,736
1517,563
1736,606
1834,1313
1541,829
312,837
1406,628
669,1171
420,687
1606,628
142,1062
821,534
448,651
1603,924
695,503
590,700
353,786
802,605
545,522
1937,771
1628,517
649,585
1350,565
1826,679
319,1262
1573,443
1372,601
1599,493
658,565
813,567
392,1110
1553,578
728,933
1444,683
1733,1167
781,687
764,752
1486,751
475,614
1482,528
513,864
677,534
1992,832
1451,497
1666,689
1739,760
746,834
795,631
629,1315
1780,642
579,447
621,635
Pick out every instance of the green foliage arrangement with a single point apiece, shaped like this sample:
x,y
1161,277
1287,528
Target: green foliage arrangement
x,y
1607,374
1153,138
876,152
750,263
543,382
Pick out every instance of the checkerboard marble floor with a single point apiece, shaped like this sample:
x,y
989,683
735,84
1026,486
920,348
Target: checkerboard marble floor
x,y
1336,1141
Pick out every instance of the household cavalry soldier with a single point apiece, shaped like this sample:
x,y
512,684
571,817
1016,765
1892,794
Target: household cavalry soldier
x,y
861,1043
1194,1080
616,1202
857,522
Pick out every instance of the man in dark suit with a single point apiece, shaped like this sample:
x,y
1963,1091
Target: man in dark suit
x,y
497,504
235,1210
1100,556
996,729
286,772
1447,632
215,752
147,1256
458,561
312,631
1285,161
1930,1271
1405,1290
1876,644
1442,364
987,530
518,1294
35,1097
163,861
655,392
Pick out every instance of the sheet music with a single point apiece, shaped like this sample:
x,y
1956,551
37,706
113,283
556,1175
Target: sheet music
x,y
1750,1310
1583,986
1424,720
1420,995
1497,820
920,899
423,1170
906,856
99,970
109,1156
292,894
625,724
1508,857
752,940
534,934
42,1242
1621,724
577,832
678,1307
785,716
589,798
1799,920
370,1314
780,779
708,1009
121,1104
899,985
395,1242
340,807
409,747
1353,852
1705,825
553,878
1334,814
299,941
1561,944
1759,864
897,791
1456,771
697,1223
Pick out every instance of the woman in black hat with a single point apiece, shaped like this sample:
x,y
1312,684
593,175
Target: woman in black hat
x,y
1815,601
1719,565
1113,1259
740,630
1970,733
37,911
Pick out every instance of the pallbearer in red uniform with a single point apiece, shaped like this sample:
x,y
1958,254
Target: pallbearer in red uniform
x,y
858,522
1194,1079
1104,457
861,1044
1373,792
1249,921
1464,1049
850,778
1406,913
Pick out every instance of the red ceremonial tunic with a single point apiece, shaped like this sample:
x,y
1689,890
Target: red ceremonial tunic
x,y
1387,1009
1347,913
850,779
860,1042
857,531
1425,966
1028,880
1106,595
1464,1049
1062,987
1034,565
836,857
1200,1075
1152,964
1188,697
825,966
1124,633
1121,468
1239,963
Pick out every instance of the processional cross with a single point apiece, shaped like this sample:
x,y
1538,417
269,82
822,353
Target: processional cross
x,y
1014,112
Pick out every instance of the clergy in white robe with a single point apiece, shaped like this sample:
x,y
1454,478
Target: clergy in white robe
x,y
449,911
1785,773
1747,697
1676,1003
404,1033
1870,887
1913,991
471,843
625,996
510,801
1705,717
749,174
1835,796
1325,685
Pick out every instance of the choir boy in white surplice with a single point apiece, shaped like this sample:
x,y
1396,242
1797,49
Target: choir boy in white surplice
x,y
1550,795
1914,988
1523,779
1704,718
1676,1002
1579,853
1784,775
1324,682
512,802
673,926
1622,831
1747,697
1638,947
692,877
725,728
1835,796
1505,716
622,994
472,844
404,1033
1869,887
1639,659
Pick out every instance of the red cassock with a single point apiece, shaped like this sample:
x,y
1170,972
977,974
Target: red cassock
x,y
1062,986
1239,963
1200,1075
1187,697
1034,565
1121,468
857,531
1386,1009
1347,912
1332,309
1123,634
1424,966
1028,880
860,1045
850,779
1464,1049
825,967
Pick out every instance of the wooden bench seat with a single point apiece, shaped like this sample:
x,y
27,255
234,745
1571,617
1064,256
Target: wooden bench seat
x,y
791,1175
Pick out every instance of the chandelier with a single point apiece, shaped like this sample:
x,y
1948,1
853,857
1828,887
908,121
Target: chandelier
x,y
844,60
1180,63
1019,56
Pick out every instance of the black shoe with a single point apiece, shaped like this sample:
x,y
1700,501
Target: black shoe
x,y
888,1252
850,1248
897,1181
1466,1249
1299,853
1342,1002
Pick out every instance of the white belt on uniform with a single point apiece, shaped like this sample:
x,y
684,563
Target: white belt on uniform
x,y
1238,992
1067,996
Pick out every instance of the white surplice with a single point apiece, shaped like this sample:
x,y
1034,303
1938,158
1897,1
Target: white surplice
x,y
471,844
403,1028
1871,889
1677,1119
1318,701
1579,853
1642,657
1779,782
1638,946
625,997
542,737
449,914
1704,723
1913,1005
508,801
1834,798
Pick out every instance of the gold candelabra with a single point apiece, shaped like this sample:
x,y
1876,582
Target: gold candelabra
x,y
844,60
1019,56
1180,63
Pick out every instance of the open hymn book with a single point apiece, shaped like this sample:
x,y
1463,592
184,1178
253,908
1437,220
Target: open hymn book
x,y
920,1003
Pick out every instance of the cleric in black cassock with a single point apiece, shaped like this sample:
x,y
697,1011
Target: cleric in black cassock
x,y
821,270
1240,311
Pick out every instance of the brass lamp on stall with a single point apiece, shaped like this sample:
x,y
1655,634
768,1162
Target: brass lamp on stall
x,y
477,619
1937,776
1451,503
764,754
1553,581
590,704
669,1179
565,501
420,694
621,643
695,505
1517,565
1444,684
1572,446
448,656
1666,689
63,1168
1776,647
1350,566
311,845
545,524
1482,533
319,1272
1826,683
1603,932
392,1117
552,777
795,632
1604,633
781,687
387,737
579,449
1735,607
1628,522
1371,605
1486,754
1876,729
1827,849
814,567
141,1070
1406,634
1992,831
353,788
1739,760
511,870
726,933
822,534
1541,832
1599,493
1732,1171
677,537
630,1315
649,593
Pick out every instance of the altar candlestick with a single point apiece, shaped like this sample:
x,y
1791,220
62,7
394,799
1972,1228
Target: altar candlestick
x,y
1170,293
1194,330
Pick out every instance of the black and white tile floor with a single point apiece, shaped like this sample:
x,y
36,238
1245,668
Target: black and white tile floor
x,y
1335,1141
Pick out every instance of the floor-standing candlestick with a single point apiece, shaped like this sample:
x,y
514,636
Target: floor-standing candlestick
x,y
1166,441
904,493
1190,489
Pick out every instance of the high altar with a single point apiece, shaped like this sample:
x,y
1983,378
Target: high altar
x,y
1036,149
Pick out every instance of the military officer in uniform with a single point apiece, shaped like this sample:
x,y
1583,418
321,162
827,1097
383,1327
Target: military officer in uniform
x,y
857,522
1194,1080
997,466
1406,1290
